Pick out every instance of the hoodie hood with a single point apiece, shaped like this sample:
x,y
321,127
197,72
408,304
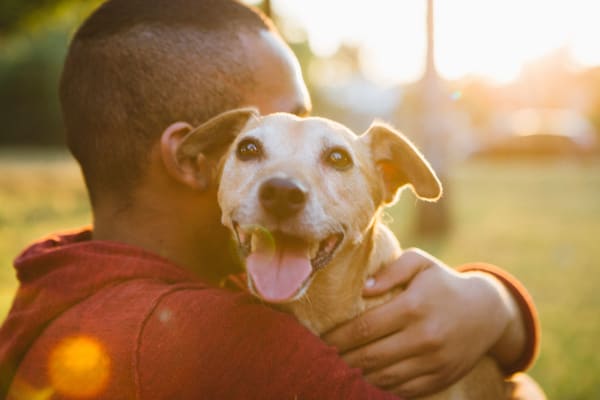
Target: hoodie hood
x,y
61,271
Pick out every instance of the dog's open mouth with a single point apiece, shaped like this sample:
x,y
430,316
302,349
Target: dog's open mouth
x,y
280,266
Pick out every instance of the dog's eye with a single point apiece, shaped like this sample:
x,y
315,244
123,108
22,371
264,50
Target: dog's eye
x,y
339,159
249,149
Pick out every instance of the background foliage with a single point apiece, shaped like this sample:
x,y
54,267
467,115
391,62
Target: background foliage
x,y
33,37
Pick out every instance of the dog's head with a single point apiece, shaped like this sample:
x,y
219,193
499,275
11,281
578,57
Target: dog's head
x,y
297,191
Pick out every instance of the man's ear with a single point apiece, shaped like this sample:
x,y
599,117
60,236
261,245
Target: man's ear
x,y
399,163
191,155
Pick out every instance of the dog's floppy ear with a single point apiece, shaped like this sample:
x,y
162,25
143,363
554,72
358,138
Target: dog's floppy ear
x,y
214,136
400,163
191,154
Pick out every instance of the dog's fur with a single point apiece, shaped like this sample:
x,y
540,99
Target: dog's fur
x,y
344,201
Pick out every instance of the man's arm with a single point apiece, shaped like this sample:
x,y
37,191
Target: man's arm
x,y
216,344
437,328
518,347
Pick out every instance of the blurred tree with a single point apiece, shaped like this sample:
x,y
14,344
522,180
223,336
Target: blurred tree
x,y
266,6
16,13
478,99
34,36
13,12
433,218
29,74
591,79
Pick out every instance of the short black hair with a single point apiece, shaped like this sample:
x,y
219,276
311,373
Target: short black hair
x,y
136,66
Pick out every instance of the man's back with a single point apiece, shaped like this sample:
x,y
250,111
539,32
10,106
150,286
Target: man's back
x,y
105,320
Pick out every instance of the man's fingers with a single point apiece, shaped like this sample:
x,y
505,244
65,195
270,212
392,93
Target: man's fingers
x,y
385,352
398,273
422,385
405,372
375,323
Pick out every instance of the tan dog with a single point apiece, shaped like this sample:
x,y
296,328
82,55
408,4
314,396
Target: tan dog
x,y
303,197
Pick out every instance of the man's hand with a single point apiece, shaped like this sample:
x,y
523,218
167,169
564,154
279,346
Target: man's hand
x,y
431,333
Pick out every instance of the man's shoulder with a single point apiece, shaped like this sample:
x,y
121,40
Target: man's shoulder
x,y
229,345
105,325
192,309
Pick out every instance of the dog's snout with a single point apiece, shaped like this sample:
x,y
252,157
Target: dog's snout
x,y
281,197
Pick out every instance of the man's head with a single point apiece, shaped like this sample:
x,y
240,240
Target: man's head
x,y
137,66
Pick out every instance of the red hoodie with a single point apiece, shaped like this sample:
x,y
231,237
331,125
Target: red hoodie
x,y
103,320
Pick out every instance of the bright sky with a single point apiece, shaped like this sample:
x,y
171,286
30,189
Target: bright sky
x,y
487,38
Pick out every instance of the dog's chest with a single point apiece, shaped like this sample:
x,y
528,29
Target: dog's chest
x,y
335,295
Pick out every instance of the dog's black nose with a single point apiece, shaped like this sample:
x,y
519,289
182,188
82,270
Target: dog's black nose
x,y
281,197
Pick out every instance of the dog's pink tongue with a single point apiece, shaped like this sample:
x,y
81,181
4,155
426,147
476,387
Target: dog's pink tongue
x,y
279,273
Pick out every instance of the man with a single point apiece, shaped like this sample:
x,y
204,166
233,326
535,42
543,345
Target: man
x,y
132,308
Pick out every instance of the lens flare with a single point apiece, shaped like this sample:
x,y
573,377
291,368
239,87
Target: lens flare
x,y
456,95
79,367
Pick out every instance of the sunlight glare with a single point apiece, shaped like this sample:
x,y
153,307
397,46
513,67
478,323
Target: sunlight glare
x,y
585,38
489,39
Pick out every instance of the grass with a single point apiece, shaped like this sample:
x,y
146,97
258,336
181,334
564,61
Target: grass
x,y
40,193
540,221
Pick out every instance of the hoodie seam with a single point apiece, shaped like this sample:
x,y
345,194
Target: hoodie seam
x,y
138,341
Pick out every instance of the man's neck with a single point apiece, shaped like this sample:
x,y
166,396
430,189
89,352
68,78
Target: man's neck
x,y
202,248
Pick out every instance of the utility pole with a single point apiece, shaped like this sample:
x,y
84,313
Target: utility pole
x,y
433,218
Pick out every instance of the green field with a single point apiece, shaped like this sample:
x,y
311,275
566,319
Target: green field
x,y
540,221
